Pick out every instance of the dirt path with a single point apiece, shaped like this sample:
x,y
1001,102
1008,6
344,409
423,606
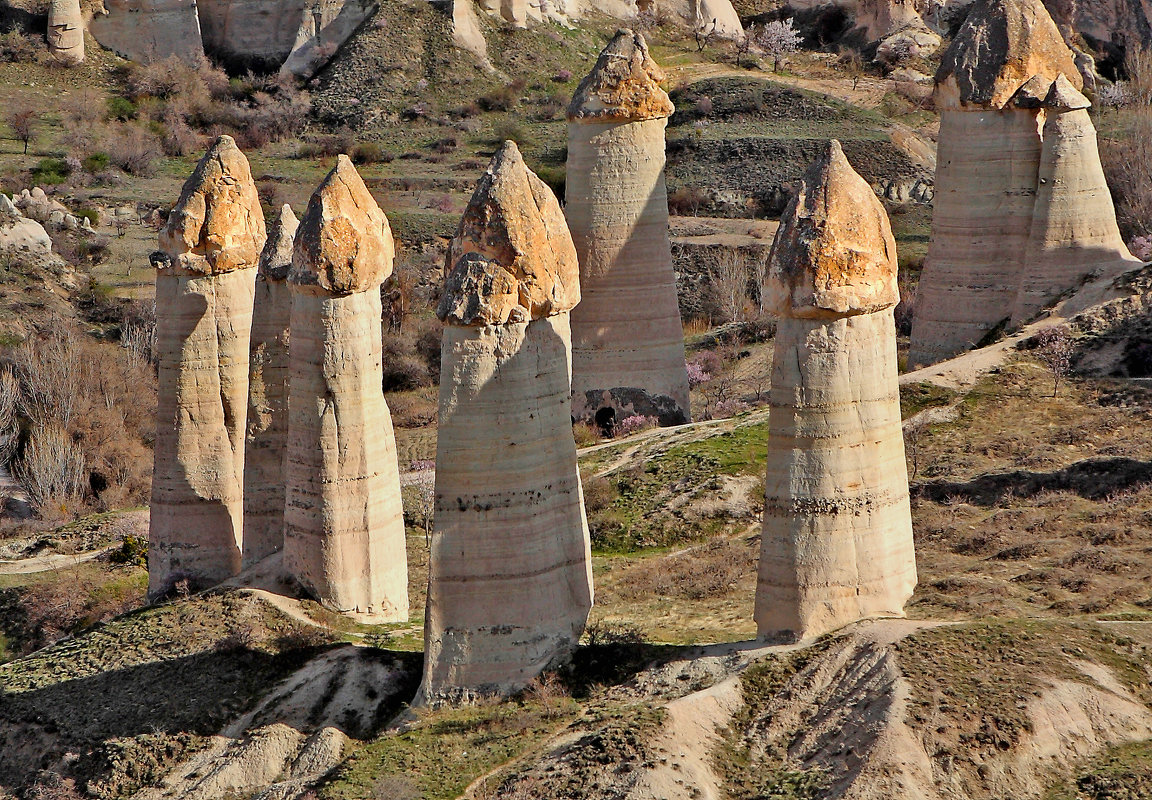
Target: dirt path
x,y
56,561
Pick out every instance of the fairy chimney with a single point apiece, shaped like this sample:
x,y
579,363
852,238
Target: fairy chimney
x,y
836,544
1074,232
627,339
510,582
988,161
268,395
204,294
344,526
66,31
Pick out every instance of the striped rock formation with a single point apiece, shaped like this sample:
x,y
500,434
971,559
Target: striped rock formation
x,y
510,582
66,31
265,447
988,165
1074,232
204,295
627,340
344,526
837,534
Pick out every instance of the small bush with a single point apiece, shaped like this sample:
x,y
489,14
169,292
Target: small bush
x,y
510,130
585,435
94,163
370,153
121,109
132,550
18,48
635,424
133,150
504,99
446,145
51,171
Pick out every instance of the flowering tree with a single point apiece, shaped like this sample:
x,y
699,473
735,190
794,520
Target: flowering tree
x,y
777,39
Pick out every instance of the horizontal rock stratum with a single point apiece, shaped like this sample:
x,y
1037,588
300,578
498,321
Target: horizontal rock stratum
x,y
344,533
836,544
204,296
510,580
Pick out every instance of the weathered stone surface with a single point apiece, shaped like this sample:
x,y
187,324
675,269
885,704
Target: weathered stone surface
x,y
344,537
204,296
217,225
1074,232
626,331
66,31
833,254
150,30
986,178
513,222
624,86
837,533
510,582
262,32
332,23
718,17
1001,44
265,446
466,32
344,246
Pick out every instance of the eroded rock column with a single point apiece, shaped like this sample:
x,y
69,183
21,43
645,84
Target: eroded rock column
x,y
1074,232
837,533
344,536
204,294
510,582
264,473
987,171
627,340
66,31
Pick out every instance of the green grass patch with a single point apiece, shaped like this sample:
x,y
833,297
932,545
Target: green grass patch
x,y
1120,773
916,397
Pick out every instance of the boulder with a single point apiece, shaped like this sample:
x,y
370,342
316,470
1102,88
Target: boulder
x,y
627,339
510,580
265,444
836,544
204,294
344,525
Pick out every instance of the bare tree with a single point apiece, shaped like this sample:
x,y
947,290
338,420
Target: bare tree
x,y
777,39
52,467
728,282
745,42
914,432
49,369
705,32
9,419
22,120
1055,348
761,262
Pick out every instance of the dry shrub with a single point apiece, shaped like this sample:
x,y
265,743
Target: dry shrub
x,y
412,355
132,149
707,571
1128,165
52,468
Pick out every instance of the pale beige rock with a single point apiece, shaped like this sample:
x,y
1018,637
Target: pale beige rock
x,y
1074,232
204,295
344,537
265,446
466,32
837,533
628,343
150,30
332,23
263,32
66,31
718,17
510,582
1001,44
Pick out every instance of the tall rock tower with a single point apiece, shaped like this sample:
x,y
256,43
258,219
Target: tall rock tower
x,y
1074,232
344,537
204,294
268,395
987,172
66,31
837,536
510,582
627,340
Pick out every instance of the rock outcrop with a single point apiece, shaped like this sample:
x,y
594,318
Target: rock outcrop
x,y
331,23
510,581
204,293
717,17
988,165
266,445
150,30
627,339
66,31
837,533
1074,232
344,532
21,235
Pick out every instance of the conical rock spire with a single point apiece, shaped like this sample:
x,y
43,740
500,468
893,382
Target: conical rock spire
x,y
276,258
624,86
